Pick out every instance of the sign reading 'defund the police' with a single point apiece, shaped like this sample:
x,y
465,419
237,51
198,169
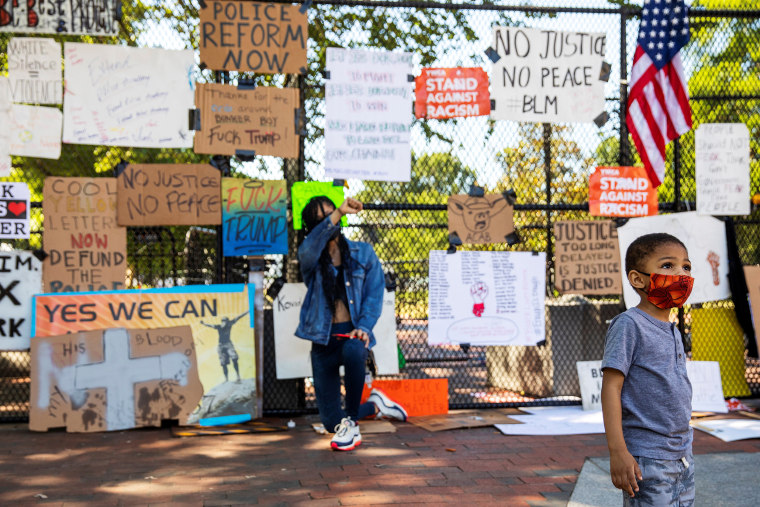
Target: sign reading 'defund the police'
x,y
14,210
546,75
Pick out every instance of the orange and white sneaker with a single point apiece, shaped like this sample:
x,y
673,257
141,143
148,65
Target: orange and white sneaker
x,y
387,408
347,436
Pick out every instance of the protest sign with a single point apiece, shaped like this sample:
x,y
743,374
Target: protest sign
x,y
368,100
35,131
302,191
752,276
722,169
35,70
547,76
254,217
169,194
61,17
262,120
590,381
451,93
480,220
486,298
222,330
6,112
587,258
706,387
253,37
20,279
621,192
705,240
14,210
86,248
292,354
127,96
113,379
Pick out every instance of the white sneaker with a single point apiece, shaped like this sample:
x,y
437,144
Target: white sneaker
x,y
386,407
347,436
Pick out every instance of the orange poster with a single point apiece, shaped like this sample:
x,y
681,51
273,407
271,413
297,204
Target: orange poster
x,y
451,93
621,192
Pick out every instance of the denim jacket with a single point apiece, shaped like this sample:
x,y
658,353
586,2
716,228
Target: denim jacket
x,y
364,289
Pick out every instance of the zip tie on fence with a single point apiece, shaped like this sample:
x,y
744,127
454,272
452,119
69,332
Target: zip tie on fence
x,y
493,105
305,6
337,182
40,254
326,74
604,75
246,84
119,14
454,242
202,4
193,119
120,167
492,54
512,238
476,191
245,155
601,119
510,196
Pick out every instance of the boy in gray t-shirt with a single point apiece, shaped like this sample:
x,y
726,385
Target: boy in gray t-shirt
x,y
646,395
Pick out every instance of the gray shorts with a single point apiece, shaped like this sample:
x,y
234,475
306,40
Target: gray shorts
x,y
664,482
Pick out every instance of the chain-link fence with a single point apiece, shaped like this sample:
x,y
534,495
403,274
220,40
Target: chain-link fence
x,y
547,165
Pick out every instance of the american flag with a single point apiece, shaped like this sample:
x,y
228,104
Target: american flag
x,y
658,95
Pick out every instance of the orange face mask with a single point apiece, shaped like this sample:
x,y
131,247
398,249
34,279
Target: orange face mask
x,y
668,291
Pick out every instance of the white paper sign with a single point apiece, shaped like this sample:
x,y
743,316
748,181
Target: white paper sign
x,y
6,113
486,298
368,100
722,169
705,240
14,210
730,430
707,390
590,380
20,279
293,354
35,70
547,76
124,96
61,17
36,131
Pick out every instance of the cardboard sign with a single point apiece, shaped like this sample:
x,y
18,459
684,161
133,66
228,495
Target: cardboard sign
x,y
221,322
61,18
253,37
706,388
590,380
36,131
20,279
587,258
705,240
292,354
722,169
35,70
302,192
480,220
127,96
262,120
254,217
169,194
14,210
486,298
86,248
6,112
367,122
451,93
547,76
752,276
621,192
113,379
419,396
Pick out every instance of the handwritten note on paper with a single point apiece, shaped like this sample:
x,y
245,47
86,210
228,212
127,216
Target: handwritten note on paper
x,y
61,17
6,112
254,217
587,258
368,102
706,387
36,131
21,278
35,70
486,298
87,250
722,169
260,120
125,96
169,194
546,75
14,210
253,37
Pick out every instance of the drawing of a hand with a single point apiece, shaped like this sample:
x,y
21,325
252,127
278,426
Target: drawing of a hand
x,y
478,291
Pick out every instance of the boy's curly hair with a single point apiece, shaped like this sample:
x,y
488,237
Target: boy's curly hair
x,y
643,246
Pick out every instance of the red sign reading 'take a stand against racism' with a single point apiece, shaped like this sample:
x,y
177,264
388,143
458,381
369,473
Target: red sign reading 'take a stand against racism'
x,y
621,192
451,93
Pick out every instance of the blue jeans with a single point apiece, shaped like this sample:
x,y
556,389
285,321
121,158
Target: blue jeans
x,y
325,363
665,482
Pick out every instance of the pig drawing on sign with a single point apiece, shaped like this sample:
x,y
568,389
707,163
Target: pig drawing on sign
x,y
477,213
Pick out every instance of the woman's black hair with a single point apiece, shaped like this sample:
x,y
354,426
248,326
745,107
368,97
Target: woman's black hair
x,y
643,246
310,219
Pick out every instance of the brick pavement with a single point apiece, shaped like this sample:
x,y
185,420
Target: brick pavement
x,y
410,467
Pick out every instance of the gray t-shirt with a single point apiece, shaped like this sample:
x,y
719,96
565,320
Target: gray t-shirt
x,y
656,395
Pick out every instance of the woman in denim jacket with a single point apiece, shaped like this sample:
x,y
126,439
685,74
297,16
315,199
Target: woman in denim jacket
x,y
344,299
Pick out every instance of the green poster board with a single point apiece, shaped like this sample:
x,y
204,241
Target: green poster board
x,y
303,191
